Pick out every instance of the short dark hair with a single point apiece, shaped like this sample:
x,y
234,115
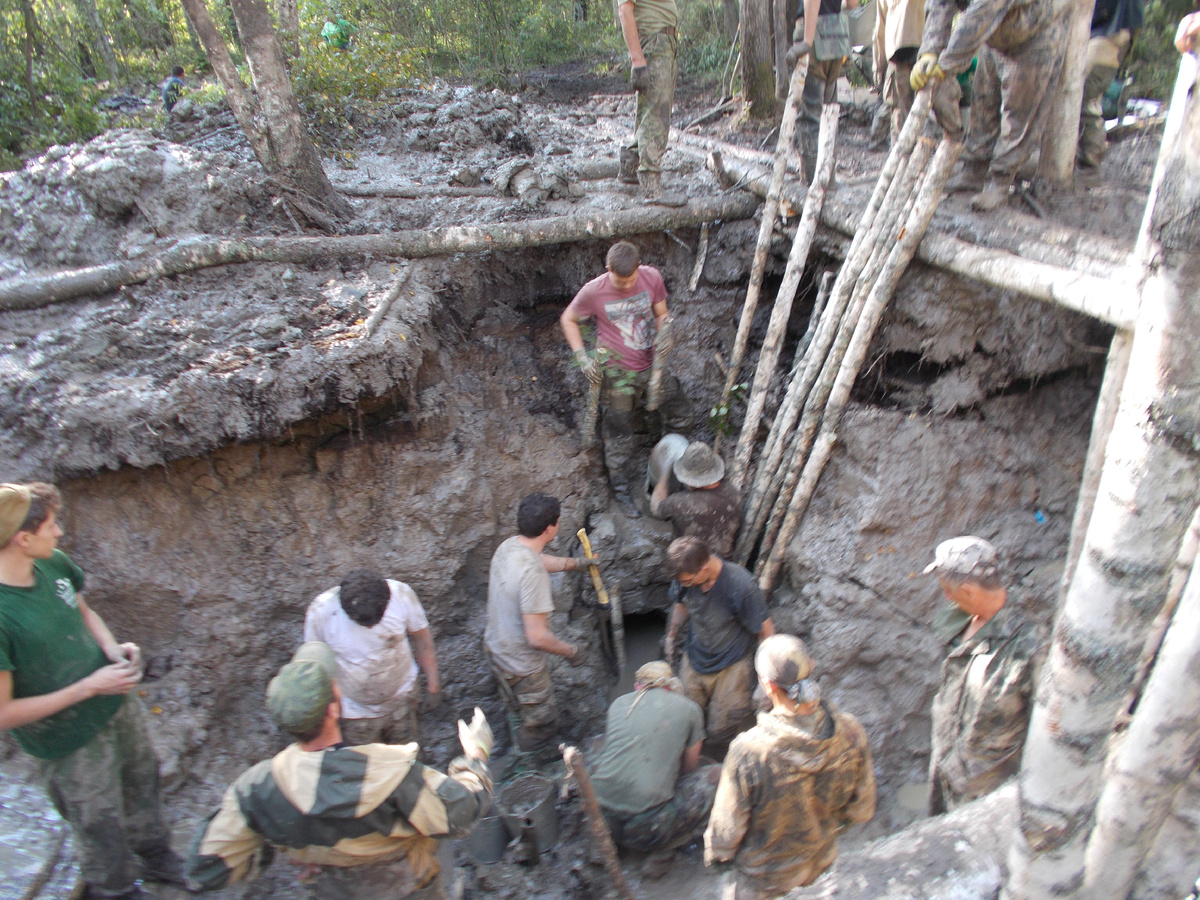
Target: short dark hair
x,y
364,595
177,71
536,513
623,258
44,500
687,556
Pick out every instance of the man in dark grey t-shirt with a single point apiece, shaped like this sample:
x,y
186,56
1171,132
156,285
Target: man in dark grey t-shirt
x,y
726,616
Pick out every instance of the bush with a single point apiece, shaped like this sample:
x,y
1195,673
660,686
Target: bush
x,y
1153,59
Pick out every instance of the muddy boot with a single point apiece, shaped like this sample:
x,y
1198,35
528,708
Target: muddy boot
x,y
994,194
970,178
653,194
627,172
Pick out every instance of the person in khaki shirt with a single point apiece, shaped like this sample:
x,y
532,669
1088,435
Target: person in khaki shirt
x,y
898,27
790,784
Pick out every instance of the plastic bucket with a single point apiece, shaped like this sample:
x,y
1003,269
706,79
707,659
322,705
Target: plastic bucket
x,y
528,809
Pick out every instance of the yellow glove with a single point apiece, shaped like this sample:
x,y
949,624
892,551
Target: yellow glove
x,y
926,70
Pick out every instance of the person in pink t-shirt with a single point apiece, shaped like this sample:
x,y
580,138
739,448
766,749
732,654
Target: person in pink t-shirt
x,y
629,305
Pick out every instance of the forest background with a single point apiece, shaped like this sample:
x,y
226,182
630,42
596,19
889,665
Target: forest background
x,y
69,69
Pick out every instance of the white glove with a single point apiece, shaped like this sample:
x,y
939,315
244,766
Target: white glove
x,y
476,739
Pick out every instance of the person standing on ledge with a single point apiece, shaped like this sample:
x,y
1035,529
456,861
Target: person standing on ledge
x,y
63,686
650,29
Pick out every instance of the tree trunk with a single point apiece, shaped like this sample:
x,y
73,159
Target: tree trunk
x,y
298,164
1148,490
32,292
97,38
781,34
30,40
758,77
731,15
1157,755
1057,162
288,14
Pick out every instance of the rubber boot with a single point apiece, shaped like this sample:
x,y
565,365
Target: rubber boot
x,y
970,178
994,194
627,173
653,193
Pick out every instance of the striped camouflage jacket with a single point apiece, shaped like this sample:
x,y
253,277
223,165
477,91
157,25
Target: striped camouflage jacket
x,y
345,806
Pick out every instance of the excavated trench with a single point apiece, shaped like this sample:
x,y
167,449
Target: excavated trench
x,y
972,416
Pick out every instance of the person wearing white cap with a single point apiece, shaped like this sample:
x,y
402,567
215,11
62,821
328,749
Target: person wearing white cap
x,y
64,682
790,784
981,711
708,508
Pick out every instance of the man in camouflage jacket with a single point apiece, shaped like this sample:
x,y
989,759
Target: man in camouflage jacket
x,y
362,822
981,712
790,784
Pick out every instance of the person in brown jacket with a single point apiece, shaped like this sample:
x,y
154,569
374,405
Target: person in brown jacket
x,y
789,784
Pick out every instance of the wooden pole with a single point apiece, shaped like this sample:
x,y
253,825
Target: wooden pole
x,y
593,569
768,355
591,415
386,303
595,819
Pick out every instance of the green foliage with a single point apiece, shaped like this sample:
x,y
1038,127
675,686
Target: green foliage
x,y
1153,59
720,417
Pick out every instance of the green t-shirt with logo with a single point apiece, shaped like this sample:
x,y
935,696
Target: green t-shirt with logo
x,y
46,645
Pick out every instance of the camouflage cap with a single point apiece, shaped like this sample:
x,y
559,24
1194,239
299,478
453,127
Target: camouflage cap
x,y
963,557
14,507
783,660
298,696
318,652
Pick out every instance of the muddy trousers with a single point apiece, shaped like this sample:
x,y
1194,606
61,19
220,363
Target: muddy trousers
x,y
629,431
108,793
820,87
530,698
673,823
396,727
652,122
1011,102
1093,139
898,95
727,698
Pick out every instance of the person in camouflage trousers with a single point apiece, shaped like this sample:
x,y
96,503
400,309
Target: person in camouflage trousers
x,y
1020,48
1114,24
790,784
361,823
981,711
650,31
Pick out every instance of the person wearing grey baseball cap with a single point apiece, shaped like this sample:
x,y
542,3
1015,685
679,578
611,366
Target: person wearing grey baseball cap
x,y
365,819
708,507
790,784
981,711
64,695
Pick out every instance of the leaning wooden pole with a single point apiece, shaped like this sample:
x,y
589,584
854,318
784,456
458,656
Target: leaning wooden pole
x,y
1148,492
768,355
787,130
915,224
595,819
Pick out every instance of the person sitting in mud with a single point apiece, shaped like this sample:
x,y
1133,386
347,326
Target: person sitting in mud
x,y
518,635
629,304
362,821
368,621
653,790
790,784
726,616
707,509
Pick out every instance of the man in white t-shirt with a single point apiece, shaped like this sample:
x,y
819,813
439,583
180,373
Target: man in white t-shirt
x,y
518,634
369,621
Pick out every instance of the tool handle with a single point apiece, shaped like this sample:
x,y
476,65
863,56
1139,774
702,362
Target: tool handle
x,y
597,581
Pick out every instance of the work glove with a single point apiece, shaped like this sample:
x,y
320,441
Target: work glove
x,y
639,77
476,738
796,52
589,368
576,659
926,70
664,341
431,701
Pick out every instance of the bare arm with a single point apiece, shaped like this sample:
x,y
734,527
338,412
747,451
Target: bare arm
x,y
679,618
426,657
658,495
691,759
118,678
629,31
569,323
812,9
540,637
554,564
660,312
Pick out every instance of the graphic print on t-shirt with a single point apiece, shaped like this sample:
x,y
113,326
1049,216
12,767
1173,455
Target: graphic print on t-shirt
x,y
66,592
633,316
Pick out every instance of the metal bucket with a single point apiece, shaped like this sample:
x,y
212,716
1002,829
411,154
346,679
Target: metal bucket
x,y
528,809
490,837
663,456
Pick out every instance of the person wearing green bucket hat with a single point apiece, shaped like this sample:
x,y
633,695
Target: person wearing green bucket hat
x,y
364,821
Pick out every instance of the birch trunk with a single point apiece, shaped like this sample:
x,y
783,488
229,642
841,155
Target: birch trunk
x,y
1149,487
1158,753
1057,160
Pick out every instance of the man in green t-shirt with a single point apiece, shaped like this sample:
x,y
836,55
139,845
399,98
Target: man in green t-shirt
x,y
63,681
651,786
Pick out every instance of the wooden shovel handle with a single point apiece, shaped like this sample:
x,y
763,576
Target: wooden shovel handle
x,y
597,581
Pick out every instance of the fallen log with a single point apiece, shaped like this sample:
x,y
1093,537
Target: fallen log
x,y
34,291
1104,291
386,303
